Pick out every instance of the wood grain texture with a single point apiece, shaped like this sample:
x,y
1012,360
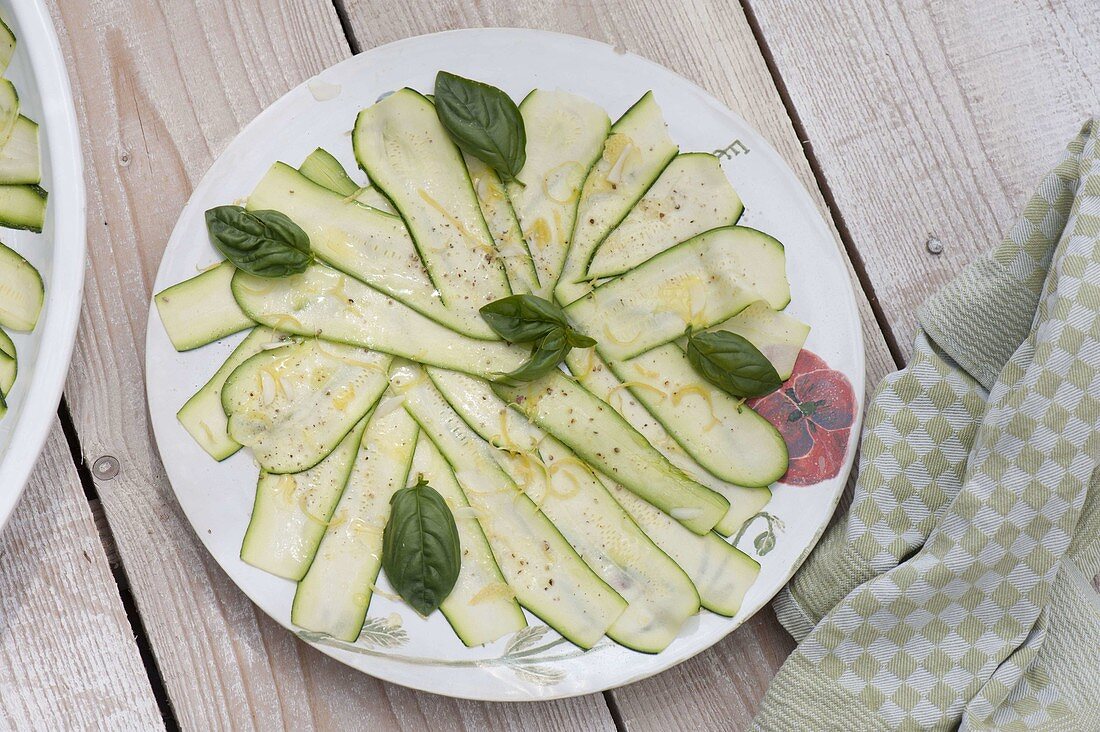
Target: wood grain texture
x,y
933,119
711,43
161,87
67,656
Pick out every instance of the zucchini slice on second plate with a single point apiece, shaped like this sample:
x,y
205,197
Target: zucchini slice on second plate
x,y
697,283
9,110
335,593
325,303
565,134
23,207
203,415
481,606
408,155
9,364
294,405
635,153
7,46
202,309
692,195
292,510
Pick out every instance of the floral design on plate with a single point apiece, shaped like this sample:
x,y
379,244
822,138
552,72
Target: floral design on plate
x,y
524,654
814,411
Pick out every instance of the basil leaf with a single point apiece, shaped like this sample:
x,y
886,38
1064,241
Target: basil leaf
x,y
483,121
420,547
262,243
732,363
523,318
577,340
548,352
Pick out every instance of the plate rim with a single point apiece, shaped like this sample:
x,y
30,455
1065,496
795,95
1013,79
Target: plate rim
x,y
64,291
850,303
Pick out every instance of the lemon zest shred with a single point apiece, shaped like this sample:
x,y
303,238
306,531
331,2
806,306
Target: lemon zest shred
x,y
553,173
679,394
477,242
620,341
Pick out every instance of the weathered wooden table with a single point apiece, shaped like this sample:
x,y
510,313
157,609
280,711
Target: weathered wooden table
x,y
919,126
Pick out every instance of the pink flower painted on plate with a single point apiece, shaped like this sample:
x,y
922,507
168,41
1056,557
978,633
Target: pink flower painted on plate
x,y
814,411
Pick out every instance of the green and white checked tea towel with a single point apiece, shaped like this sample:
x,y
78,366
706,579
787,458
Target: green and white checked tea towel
x,y
956,590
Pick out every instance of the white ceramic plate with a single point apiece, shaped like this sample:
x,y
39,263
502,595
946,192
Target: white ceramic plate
x,y
38,72
397,645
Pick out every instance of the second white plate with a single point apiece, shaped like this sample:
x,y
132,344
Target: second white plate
x,y
397,645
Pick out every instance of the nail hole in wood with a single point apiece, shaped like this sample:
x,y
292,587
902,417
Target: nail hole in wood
x,y
105,468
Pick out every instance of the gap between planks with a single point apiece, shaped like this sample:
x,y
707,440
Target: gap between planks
x,y
823,185
118,572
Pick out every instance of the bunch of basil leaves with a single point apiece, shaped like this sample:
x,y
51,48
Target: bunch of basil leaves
x,y
531,319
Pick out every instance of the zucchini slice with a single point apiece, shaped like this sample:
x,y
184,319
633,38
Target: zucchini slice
x,y
721,572
9,364
7,347
565,134
369,245
660,596
202,309
503,225
604,440
23,207
726,437
544,571
697,283
321,167
326,171
594,374
21,291
203,416
291,511
20,157
335,593
402,146
7,46
692,195
9,110
777,335
635,153
330,305
482,607
294,405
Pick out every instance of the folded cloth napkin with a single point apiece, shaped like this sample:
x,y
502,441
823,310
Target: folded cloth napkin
x,y
956,590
